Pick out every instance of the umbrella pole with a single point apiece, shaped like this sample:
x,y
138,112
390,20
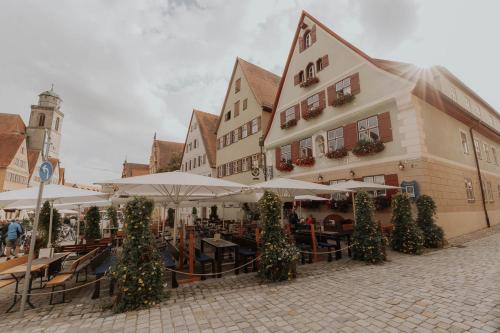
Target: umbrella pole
x,y
353,207
176,222
78,224
165,214
49,243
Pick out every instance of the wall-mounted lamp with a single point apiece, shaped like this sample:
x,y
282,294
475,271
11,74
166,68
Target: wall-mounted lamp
x,y
352,173
401,166
320,178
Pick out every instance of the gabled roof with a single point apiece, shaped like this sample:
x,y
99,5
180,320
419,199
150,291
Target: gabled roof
x,y
207,123
33,155
407,71
12,124
9,145
134,169
165,151
262,83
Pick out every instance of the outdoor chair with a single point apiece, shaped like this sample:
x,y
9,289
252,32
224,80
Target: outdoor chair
x,y
203,259
247,251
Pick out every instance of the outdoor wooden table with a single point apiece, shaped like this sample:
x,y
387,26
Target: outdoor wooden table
x,y
220,246
333,235
37,266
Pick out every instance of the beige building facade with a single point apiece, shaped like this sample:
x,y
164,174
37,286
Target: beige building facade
x,y
245,112
340,114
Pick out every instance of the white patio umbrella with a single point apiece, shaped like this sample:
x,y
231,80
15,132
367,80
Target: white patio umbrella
x,y
175,187
2,214
307,197
356,186
288,189
55,194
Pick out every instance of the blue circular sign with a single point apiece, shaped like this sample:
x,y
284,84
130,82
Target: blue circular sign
x,y
45,171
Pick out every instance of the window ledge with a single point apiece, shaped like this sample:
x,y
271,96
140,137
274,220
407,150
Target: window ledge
x,y
309,82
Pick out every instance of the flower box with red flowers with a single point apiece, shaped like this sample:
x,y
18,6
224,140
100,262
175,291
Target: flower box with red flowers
x,y
289,123
365,147
343,99
313,113
309,82
305,161
285,166
337,153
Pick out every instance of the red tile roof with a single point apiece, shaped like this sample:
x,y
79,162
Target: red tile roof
x,y
164,152
207,123
12,124
33,155
134,169
9,145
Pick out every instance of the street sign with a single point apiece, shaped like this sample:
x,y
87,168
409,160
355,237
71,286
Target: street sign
x,y
45,171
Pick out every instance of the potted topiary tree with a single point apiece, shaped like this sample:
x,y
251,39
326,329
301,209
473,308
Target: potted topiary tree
x,y
433,234
139,273
44,222
279,257
92,228
368,242
171,217
406,236
112,216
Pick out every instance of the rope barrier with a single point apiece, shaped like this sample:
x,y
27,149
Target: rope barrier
x,y
65,290
339,250
214,273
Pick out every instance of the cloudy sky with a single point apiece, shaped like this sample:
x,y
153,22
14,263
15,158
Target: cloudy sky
x,y
127,69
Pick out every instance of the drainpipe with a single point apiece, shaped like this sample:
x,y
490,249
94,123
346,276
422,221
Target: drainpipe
x,y
264,159
483,196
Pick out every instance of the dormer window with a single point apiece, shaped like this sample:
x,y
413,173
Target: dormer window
x,y
319,64
307,39
310,71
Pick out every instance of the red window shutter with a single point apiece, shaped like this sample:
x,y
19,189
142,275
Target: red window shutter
x,y
350,136
249,128
332,94
384,126
282,117
313,34
237,109
296,79
392,180
278,155
325,61
355,85
322,99
295,151
303,107
301,44
297,112
259,123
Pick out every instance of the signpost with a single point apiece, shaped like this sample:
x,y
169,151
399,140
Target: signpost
x,y
45,173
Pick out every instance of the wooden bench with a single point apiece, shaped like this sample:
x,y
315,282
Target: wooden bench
x,y
9,264
75,268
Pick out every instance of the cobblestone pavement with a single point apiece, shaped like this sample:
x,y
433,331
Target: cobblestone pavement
x,y
452,290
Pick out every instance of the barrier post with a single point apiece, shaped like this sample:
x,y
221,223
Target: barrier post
x,y
314,243
181,248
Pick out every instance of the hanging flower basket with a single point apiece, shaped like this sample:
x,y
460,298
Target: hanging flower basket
x,y
309,82
313,113
365,147
342,206
343,99
338,153
286,166
305,161
288,124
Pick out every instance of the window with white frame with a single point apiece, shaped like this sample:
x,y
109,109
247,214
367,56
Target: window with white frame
x,y
453,93
310,71
335,139
313,102
286,153
338,195
255,125
477,146
235,167
307,39
305,148
494,154
255,161
469,190
368,129
244,164
463,139
343,87
229,138
236,134
244,131
378,179
489,191
229,169
290,114
487,152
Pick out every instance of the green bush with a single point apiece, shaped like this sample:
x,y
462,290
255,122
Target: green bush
x,y
112,216
407,236
92,228
433,234
213,213
43,224
171,217
368,242
278,255
139,273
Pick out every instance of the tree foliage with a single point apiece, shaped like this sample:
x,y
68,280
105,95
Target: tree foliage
x,y
407,236
368,242
92,228
174,164
139,272
44,222
112,216
433,234
278,255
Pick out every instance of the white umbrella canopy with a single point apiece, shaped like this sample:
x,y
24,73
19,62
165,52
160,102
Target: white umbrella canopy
x,y
308,197
356,185
175,187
